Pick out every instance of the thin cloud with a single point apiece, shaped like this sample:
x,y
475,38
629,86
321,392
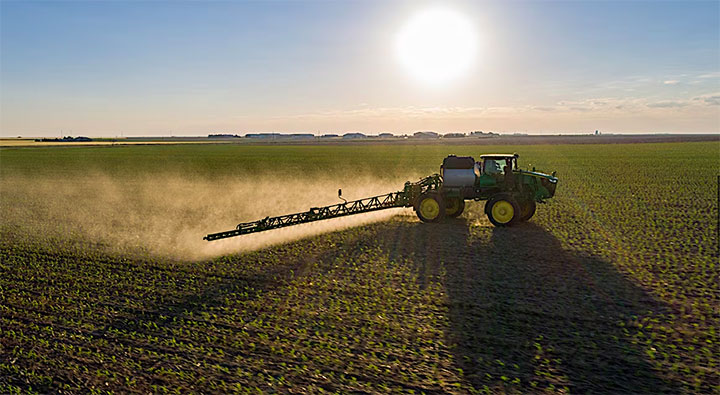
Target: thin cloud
x,y
667,104
602,106
712,99
714,74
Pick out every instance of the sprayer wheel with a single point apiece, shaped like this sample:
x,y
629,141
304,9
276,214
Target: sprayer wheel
x,y
430,207
527,210
454,207
502,210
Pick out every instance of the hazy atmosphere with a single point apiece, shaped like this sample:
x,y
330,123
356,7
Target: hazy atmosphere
x,y
193,68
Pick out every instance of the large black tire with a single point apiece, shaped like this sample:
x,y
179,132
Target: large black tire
x,y
430,207
454,207
502,210
527,210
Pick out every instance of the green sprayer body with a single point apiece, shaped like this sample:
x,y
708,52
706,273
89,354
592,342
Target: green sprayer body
x,y
511,195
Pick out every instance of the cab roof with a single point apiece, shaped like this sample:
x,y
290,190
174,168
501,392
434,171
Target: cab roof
x,y
499,156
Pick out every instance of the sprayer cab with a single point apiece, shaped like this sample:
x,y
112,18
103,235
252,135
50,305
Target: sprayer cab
x,y
495,163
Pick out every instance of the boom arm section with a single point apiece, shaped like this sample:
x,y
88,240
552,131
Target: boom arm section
x,y
404,198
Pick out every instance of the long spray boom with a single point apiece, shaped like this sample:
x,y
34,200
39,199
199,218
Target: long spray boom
x,y
404,198
374,203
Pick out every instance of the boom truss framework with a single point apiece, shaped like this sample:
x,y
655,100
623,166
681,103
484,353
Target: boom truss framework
x,y
390,200
404,198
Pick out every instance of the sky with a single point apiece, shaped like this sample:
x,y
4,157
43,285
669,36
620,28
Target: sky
x,y
135,68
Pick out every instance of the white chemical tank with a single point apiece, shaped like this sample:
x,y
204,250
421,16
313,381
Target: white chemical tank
x,y
459,171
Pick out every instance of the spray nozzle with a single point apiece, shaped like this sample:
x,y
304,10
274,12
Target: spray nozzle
x,y
340,195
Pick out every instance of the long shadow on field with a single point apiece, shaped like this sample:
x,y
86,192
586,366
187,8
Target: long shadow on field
x,y
526,315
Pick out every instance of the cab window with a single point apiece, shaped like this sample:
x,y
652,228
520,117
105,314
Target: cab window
x,y
492,167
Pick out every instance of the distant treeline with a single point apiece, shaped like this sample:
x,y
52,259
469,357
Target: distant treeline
x,y
350,135
65,139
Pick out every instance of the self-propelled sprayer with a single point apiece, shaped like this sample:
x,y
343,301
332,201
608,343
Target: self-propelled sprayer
x,y
511,195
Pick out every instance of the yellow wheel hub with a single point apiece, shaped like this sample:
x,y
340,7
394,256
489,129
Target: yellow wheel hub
x,y
429,208
503,211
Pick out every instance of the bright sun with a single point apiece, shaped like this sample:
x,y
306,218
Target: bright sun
x,y
437,45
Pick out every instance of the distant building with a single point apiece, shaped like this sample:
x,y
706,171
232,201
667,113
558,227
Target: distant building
x,y
301,136
329,136
354,135
223,136
426,135
263,135
386,135
480,133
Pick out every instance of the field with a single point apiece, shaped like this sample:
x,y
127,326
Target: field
x,y
107,286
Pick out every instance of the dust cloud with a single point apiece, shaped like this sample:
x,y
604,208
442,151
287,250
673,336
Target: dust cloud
x,y
168,215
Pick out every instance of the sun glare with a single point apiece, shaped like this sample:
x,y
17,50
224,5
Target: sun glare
x,y
437,45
